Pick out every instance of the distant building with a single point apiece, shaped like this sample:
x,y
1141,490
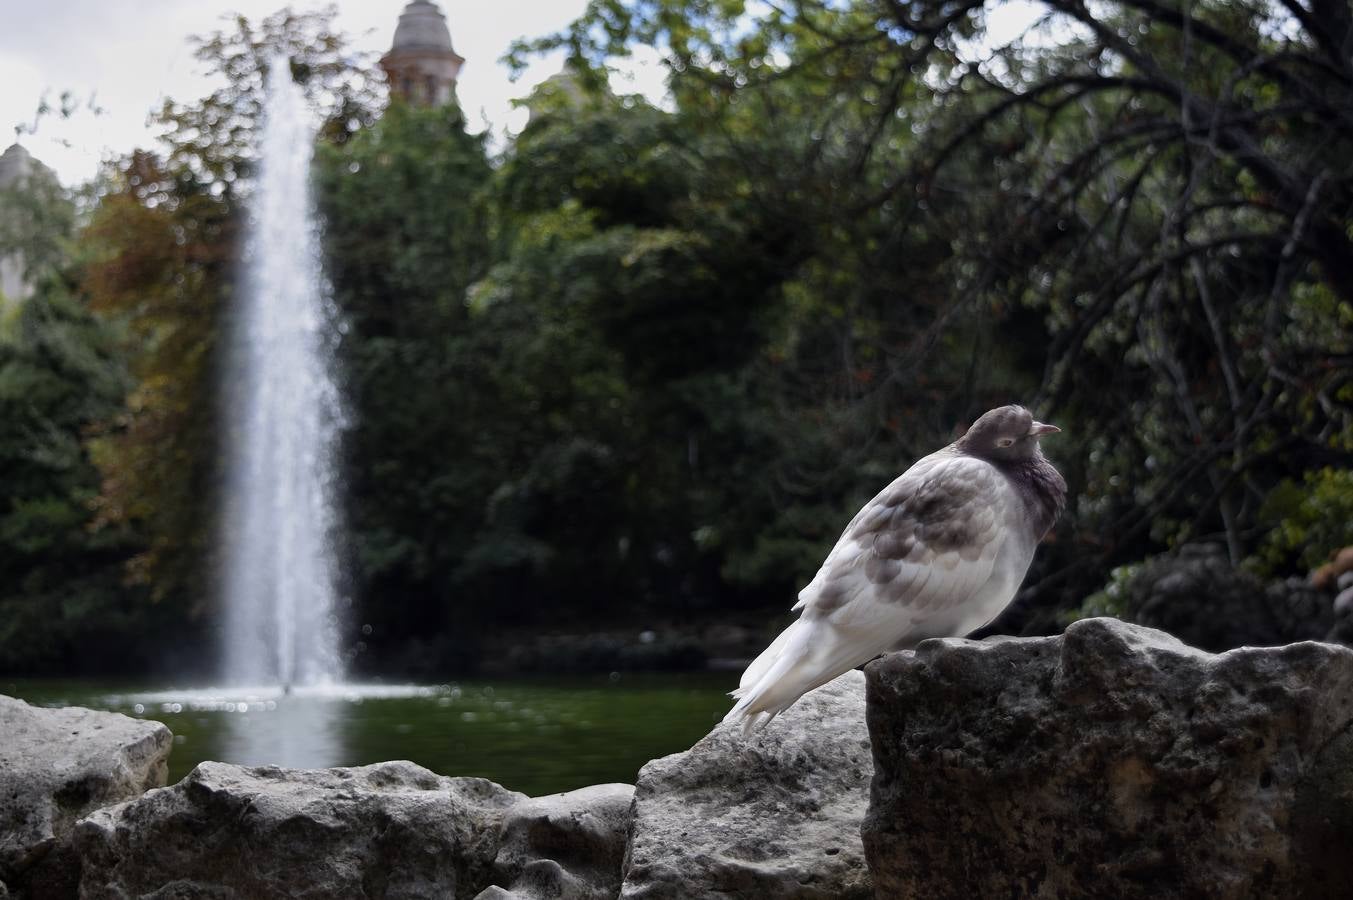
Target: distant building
x,y
562,89
422,65
16,167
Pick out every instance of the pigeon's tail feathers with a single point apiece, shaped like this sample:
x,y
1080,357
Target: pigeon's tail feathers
x,y
806,655
758,698
765,660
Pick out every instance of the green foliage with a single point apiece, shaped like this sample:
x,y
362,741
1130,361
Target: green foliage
x,y
62,379
1110,600
63,602
1307,521
406,230
405,237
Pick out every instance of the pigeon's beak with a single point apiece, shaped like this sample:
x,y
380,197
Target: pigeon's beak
x,y
1039,429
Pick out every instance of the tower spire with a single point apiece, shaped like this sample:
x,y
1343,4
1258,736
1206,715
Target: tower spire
x,y
422,65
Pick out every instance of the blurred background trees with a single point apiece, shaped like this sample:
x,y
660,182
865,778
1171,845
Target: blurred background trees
x,y
642,366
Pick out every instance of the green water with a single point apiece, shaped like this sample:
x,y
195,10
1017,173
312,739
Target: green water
x,y
537,736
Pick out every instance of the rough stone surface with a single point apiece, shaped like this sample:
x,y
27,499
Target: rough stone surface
x,y
1197,596
1342,632
391,830
774,815
1112,761
57,765
567,846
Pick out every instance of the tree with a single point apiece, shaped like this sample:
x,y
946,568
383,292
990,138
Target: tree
x,y
1137,210
63,606
163,245
213,138
1180,181
405,237
162,253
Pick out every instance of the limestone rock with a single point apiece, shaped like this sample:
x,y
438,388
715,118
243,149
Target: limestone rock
x,y
1112,761
1343,602
774,815
564,846
1342,631
1303,612
57,765
391,830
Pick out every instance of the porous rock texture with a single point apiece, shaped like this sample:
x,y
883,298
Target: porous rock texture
x,y
57,765
1342,632
1112,761
566,846
774,815
391,830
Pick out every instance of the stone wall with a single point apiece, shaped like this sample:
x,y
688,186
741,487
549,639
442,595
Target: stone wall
x,y
1113,761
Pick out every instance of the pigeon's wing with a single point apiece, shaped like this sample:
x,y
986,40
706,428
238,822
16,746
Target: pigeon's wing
x,y
906,566
927,542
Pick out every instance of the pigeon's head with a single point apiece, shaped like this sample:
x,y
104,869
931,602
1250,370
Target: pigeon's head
x,y
1007,432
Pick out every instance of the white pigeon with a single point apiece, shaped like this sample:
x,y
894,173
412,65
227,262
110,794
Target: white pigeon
x,y
938,553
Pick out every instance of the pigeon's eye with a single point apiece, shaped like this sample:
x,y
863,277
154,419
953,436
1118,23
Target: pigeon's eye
x,y
1005,442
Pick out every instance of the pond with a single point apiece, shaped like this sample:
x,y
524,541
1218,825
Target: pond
x,y
535,736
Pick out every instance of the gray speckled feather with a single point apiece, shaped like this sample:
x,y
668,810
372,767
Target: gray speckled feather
x,y
939,552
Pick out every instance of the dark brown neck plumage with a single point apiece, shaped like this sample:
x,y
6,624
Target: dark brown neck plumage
x,y
1040,486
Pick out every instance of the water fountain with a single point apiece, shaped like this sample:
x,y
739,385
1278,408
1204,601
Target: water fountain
x,y
283,700
282,415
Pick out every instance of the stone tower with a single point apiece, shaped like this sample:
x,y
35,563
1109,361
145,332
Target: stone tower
x,y
17,166
421,65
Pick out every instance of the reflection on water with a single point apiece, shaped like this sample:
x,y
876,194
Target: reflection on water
x,y
301,728
534,736
294,732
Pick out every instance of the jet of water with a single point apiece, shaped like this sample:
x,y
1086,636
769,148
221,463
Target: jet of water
x,y
283,414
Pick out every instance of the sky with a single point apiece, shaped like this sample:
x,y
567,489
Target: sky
x,y
128,55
